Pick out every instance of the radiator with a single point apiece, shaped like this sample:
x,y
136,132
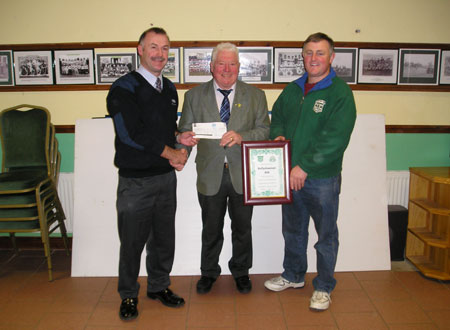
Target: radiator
x,y
397,192
398,187
65,193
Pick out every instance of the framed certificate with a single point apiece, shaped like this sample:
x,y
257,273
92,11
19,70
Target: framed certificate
x,y
265,172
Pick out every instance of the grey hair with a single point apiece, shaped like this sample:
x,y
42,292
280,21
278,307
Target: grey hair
x,y
224,46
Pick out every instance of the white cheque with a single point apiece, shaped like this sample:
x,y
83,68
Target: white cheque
x,y
213,130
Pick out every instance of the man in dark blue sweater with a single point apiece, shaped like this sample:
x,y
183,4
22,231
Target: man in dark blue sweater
x,y
143,105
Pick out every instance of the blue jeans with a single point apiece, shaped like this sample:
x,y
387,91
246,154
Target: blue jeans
x,y
319,199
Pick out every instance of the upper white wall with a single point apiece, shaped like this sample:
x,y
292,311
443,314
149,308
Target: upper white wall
x,y
56,21
43,21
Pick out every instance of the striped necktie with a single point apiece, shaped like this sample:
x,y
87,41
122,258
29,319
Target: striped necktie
x,y
158,85
225,107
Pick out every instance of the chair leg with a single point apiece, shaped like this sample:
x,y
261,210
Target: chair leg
x,y
14,243
45,241
62,229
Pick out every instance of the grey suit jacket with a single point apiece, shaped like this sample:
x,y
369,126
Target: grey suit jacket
x,y
249,117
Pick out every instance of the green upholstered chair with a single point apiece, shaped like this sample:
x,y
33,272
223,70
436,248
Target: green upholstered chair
x,y
29,200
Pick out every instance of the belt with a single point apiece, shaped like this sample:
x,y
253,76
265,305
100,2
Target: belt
x,y
225,165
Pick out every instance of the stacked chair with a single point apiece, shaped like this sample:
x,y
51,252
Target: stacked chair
x,y
30,169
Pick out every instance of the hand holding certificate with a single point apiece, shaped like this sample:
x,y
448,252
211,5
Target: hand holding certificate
x,y
214,130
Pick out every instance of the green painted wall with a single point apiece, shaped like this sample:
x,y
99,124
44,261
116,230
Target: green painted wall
x,y
417,150
67,149
402,150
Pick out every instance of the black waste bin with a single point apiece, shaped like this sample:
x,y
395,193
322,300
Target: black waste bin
x,y
398,225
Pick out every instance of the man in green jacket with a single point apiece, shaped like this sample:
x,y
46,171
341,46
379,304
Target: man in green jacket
x,y
317,114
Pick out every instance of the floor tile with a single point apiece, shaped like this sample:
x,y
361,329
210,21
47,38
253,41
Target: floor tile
x,y
152,320
55,320
258,304
398,300
351,301
211,315
410,326
389,289
106,314
363,321
401,311
440,318
346,281
297,313
261,322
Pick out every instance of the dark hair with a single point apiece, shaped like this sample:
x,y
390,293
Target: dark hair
x,y
319,36
156,30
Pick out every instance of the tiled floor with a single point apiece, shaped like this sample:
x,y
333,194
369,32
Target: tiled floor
x,y
362,300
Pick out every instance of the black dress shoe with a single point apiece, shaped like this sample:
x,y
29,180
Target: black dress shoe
x,y
167,297
205,284
243,284
128,309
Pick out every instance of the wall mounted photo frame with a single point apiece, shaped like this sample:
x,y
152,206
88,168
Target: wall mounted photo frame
x,y
33,67
197,64
6,68
74,66
378,66
345,64
418,67
172,69
256,65
111,66
288,64
444,77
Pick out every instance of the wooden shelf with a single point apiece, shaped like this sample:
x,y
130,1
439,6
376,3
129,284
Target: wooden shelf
x,y
428,268
431,206
428,238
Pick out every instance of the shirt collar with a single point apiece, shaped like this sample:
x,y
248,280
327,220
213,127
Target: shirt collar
x,y
151,78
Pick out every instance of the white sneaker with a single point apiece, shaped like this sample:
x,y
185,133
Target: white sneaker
x,y
320,301
280,283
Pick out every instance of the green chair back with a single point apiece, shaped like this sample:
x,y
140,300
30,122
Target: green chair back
x,y
25,139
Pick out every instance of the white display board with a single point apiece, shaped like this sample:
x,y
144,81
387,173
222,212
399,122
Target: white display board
x,y
363,222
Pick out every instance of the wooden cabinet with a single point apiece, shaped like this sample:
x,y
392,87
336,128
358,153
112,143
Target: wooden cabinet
x,y
428,238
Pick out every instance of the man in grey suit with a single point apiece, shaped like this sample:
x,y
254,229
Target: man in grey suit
x,y
219,169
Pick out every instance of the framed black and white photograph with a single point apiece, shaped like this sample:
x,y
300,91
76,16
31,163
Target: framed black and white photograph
x,y
197,64
256,64
345,64
74,66
418,67
378,66
288,64
6,68
33,67
444,77
172,69
111,66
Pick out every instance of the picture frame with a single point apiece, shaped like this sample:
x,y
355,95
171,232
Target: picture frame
x,y
172,69
418,66
111,66
444,77
6,68
266,166
33,67
378,66
256,65
288,64
345,64
196,64
75,66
